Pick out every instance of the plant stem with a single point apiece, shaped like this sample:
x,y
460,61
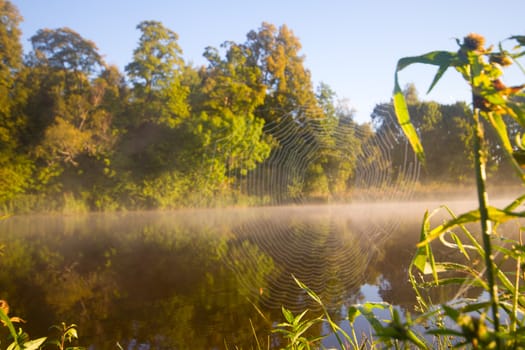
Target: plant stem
x,y
516,289
486,229
516,295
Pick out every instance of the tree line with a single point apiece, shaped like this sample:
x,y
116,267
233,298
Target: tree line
x,y
76,131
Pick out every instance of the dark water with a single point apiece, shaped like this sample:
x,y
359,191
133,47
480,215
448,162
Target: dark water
x,y
203,279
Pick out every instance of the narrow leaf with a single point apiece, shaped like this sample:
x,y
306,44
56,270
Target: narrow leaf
x,y
475,306
519,38
442,59
403,118
451,312
287,314
516,203
299,317
420,259
445,331
501,128
416,340
310,292
460,281
436,58
519,111
34,344
495,215
353,313
439,74
494,97
460,246
5,319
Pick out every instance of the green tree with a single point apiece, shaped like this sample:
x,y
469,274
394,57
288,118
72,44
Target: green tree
x,y
293,114
155,73
64,49
276,51
231,90
67,120
15,166
11,64
152,154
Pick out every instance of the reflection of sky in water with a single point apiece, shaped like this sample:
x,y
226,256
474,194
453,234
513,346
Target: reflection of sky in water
x,y
370,293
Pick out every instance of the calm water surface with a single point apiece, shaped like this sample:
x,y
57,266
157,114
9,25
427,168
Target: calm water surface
x,y
200,279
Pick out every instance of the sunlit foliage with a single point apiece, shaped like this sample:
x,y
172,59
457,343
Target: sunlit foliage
x,y
166,134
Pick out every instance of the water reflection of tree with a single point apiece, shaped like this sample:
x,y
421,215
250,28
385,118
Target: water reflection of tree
x,y
158,282
193,279
326,250
318,253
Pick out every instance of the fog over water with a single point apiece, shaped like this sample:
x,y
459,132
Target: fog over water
x,y
200,276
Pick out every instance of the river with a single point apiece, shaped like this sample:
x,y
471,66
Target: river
x,y
205,279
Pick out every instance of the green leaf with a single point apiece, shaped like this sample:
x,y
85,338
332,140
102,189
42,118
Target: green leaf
x,y
372,305
445,331
442,59
7,321
460,281
437,77
520,141
436,58
502,215
353,313
34,344
519,111
304,327
475,306
420,259
493,97
310,292
416,340
424,258
403,118
451,312
460,246
495,215
299,317
287,314
519,38
371,318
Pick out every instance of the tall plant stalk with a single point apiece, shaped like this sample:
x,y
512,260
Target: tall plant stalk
x,y
486,227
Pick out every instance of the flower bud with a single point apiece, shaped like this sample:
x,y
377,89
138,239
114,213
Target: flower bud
x,y
501,59
474,42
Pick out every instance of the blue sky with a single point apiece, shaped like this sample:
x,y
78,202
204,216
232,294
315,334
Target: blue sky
x,y
353,46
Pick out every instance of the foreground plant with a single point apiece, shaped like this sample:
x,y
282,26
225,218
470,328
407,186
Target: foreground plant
x,y
492,102
294,329
472,323
68,334
20,340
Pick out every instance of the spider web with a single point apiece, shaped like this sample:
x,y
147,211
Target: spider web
x,y
327,247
